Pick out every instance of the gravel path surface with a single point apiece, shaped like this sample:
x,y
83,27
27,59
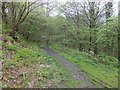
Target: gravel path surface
x,y
72,68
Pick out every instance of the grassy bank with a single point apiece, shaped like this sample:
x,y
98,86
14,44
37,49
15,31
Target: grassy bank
x,y
25,64
100,72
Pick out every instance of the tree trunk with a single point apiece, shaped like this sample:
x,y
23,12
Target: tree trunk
x,y
108,10
14,32
90,42
95,43
96,49
4,14
118,45
80,47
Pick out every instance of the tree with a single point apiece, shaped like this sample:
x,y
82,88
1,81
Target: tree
x,y
4,13
17,13
86,14
50,5
93,12
118,30
72,12
108,10
34,25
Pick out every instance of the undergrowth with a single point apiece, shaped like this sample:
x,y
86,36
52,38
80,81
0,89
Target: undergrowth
x,y
25,64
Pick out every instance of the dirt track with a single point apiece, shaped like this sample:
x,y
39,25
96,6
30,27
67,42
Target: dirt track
x,y
72,68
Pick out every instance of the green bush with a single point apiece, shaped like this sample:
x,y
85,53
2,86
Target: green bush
x,y
108,60
11,47
27,53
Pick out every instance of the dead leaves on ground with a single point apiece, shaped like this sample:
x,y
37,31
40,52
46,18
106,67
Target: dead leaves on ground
x,y
15,77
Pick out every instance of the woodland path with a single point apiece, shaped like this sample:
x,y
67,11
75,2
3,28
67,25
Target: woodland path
x,y
72,68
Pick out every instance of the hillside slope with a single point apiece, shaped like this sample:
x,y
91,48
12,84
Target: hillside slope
x,y
25,64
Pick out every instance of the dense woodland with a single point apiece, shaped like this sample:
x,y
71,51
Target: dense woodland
x,y
87,27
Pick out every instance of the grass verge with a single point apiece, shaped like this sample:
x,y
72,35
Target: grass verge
x,y
100,73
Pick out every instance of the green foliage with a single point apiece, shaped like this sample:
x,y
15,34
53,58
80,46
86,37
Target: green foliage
x,y
33,26
57,29
108,60
27,53
107,37
11,47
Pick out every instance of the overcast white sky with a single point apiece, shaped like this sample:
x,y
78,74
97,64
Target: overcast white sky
x,y
89,0
64,0
115,5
